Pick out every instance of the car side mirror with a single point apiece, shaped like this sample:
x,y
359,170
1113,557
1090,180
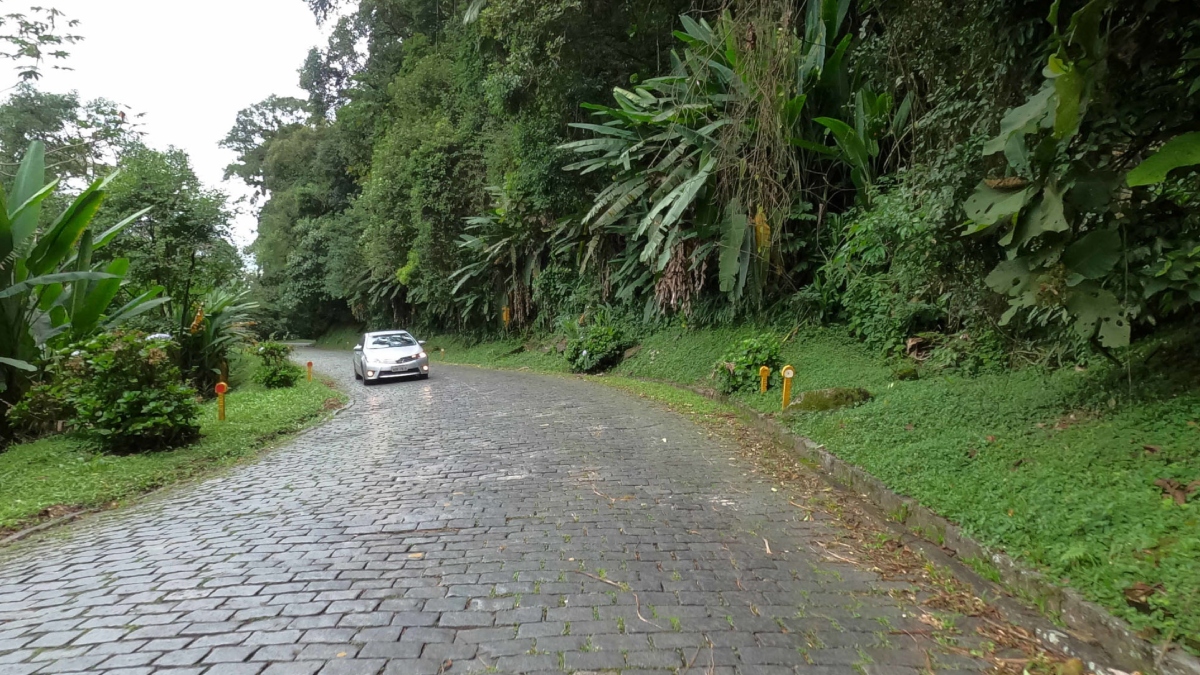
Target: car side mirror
x,y
358,348
421,342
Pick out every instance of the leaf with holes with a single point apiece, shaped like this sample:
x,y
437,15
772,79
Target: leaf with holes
x,y
1098,314
988,206
1010,277
1046,216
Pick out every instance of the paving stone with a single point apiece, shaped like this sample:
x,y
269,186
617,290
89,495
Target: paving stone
x,y
293,668
493,519
353,667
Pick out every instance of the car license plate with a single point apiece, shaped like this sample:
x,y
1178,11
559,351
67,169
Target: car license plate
x,y
397,369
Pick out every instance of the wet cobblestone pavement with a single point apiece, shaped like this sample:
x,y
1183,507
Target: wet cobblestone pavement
x,y
479,521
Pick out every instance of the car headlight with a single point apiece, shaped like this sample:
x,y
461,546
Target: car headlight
x,y
422,355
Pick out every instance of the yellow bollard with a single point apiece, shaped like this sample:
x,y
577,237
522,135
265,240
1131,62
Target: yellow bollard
x,y
788,373
310,371
763,374
221,389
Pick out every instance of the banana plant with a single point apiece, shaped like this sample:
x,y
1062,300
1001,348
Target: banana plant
x,y
675,147
49,286
506,251
858,145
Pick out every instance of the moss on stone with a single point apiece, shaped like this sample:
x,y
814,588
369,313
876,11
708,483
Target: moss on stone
x,y
820,400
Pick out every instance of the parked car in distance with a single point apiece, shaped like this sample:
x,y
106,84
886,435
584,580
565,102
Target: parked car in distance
x,y
389,354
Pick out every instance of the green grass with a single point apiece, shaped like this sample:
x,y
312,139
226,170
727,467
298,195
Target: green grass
x,y
60,471
999,454
500,353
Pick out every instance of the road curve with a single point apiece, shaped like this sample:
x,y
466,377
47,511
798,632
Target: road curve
x,y
479,521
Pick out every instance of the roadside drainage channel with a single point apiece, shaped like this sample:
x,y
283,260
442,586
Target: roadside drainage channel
x,y
1105,643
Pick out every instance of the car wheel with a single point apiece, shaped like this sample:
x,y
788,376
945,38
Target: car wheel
x,y
356,375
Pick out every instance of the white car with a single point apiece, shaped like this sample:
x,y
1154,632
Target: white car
x,y
389,354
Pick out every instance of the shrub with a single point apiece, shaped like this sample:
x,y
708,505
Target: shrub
x,y
597,346
738,369
276,372
882,315
127,393
41,411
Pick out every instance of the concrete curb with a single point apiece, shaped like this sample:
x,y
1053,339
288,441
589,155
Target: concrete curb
x,y
40,527
1105,643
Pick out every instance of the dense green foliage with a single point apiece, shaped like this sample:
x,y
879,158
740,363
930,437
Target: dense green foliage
x,y
181,243
50,286
595,345
221,323
66,278
814,158
81,138
125,392
276,371
738,369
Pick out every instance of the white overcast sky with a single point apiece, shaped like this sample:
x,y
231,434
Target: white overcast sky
x,y
189,66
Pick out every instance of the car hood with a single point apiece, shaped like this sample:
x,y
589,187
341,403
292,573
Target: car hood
x,y
391,354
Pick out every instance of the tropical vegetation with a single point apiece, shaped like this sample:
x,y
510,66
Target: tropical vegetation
x,y
508,164
1006,194
990,220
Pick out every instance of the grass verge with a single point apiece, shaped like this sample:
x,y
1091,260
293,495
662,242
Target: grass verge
x,y
1061,468
340,337
60,474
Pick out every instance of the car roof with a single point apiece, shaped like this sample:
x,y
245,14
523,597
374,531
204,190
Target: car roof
x,y
388,332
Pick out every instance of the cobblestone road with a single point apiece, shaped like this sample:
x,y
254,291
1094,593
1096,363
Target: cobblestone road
x,y
476,522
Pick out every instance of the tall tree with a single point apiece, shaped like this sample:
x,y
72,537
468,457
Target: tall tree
x,y
182,243
256,127
30,39
82,139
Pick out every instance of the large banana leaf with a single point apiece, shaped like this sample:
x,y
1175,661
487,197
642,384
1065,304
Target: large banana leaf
x,y
48,286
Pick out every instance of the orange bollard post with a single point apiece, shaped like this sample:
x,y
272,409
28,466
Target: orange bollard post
x,y
310,371
788,373
221,389
763,374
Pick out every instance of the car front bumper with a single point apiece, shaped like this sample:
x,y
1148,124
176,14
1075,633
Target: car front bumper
x,y
376,372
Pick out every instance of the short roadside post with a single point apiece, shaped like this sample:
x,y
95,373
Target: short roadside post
x,y
310,371
221,389
788,373
763,374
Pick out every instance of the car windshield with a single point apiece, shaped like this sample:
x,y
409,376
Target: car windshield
x,y
390,340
